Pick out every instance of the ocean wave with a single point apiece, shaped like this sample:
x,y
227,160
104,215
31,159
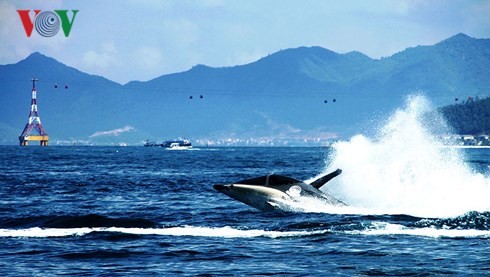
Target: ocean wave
x,y
75,221
374,228
385,228
193,231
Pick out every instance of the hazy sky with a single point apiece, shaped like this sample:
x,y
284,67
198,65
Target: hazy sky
x,y
125,40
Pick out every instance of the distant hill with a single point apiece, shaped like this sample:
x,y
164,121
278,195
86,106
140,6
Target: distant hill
x,y
458,64
300,93
470,117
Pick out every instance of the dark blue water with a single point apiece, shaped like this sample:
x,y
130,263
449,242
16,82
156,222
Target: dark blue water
x,y
148,211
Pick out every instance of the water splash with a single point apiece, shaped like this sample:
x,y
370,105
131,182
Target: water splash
x,y
405,170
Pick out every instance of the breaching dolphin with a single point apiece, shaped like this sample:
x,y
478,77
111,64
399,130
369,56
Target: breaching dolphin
x,y
265,192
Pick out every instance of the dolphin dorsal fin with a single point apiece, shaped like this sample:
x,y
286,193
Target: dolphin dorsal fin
x,y
318,183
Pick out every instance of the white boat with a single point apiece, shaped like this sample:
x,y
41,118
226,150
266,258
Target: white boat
x,y
177,144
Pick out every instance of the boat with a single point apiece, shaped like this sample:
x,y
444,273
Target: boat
x,y
177,144
182,144
151,143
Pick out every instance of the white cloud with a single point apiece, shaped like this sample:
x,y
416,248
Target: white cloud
x,y
14,43
115,132
8,16
149,58
105,57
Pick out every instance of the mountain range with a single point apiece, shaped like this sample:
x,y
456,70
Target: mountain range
x,y
301,95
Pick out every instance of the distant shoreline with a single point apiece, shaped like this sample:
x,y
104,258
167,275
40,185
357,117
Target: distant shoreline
x,y
466,146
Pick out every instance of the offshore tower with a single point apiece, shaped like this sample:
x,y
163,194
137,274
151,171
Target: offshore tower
x,y
34,123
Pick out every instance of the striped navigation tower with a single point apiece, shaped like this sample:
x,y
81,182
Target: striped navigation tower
x,y
34,123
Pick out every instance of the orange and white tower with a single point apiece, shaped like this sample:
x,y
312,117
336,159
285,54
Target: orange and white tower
x,y
34,123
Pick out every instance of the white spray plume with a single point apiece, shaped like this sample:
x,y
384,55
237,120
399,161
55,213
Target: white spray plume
x,y
405,170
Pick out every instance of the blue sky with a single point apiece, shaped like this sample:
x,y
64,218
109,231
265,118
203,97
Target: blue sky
x,y
128,40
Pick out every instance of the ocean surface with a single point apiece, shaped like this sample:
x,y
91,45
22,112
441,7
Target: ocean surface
x,y
415,208
113,211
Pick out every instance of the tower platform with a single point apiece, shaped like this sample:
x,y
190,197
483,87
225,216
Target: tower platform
x,y
24,141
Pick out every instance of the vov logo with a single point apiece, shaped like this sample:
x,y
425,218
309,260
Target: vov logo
x,y
47,23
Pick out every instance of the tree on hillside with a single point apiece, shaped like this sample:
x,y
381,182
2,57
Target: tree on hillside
x,y
472,117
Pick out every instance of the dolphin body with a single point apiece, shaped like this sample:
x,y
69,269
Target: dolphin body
x,y
266,192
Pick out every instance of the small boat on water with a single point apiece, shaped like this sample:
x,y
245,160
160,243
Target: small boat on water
x,y
177,144
171,144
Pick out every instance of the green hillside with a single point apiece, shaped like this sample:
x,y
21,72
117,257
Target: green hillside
x,y
471,117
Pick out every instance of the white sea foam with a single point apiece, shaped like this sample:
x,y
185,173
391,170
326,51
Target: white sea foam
x,y
384,228
376,228
37,232
192,231
405,170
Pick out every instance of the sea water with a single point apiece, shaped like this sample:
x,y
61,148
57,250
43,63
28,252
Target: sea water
x,y
415,208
